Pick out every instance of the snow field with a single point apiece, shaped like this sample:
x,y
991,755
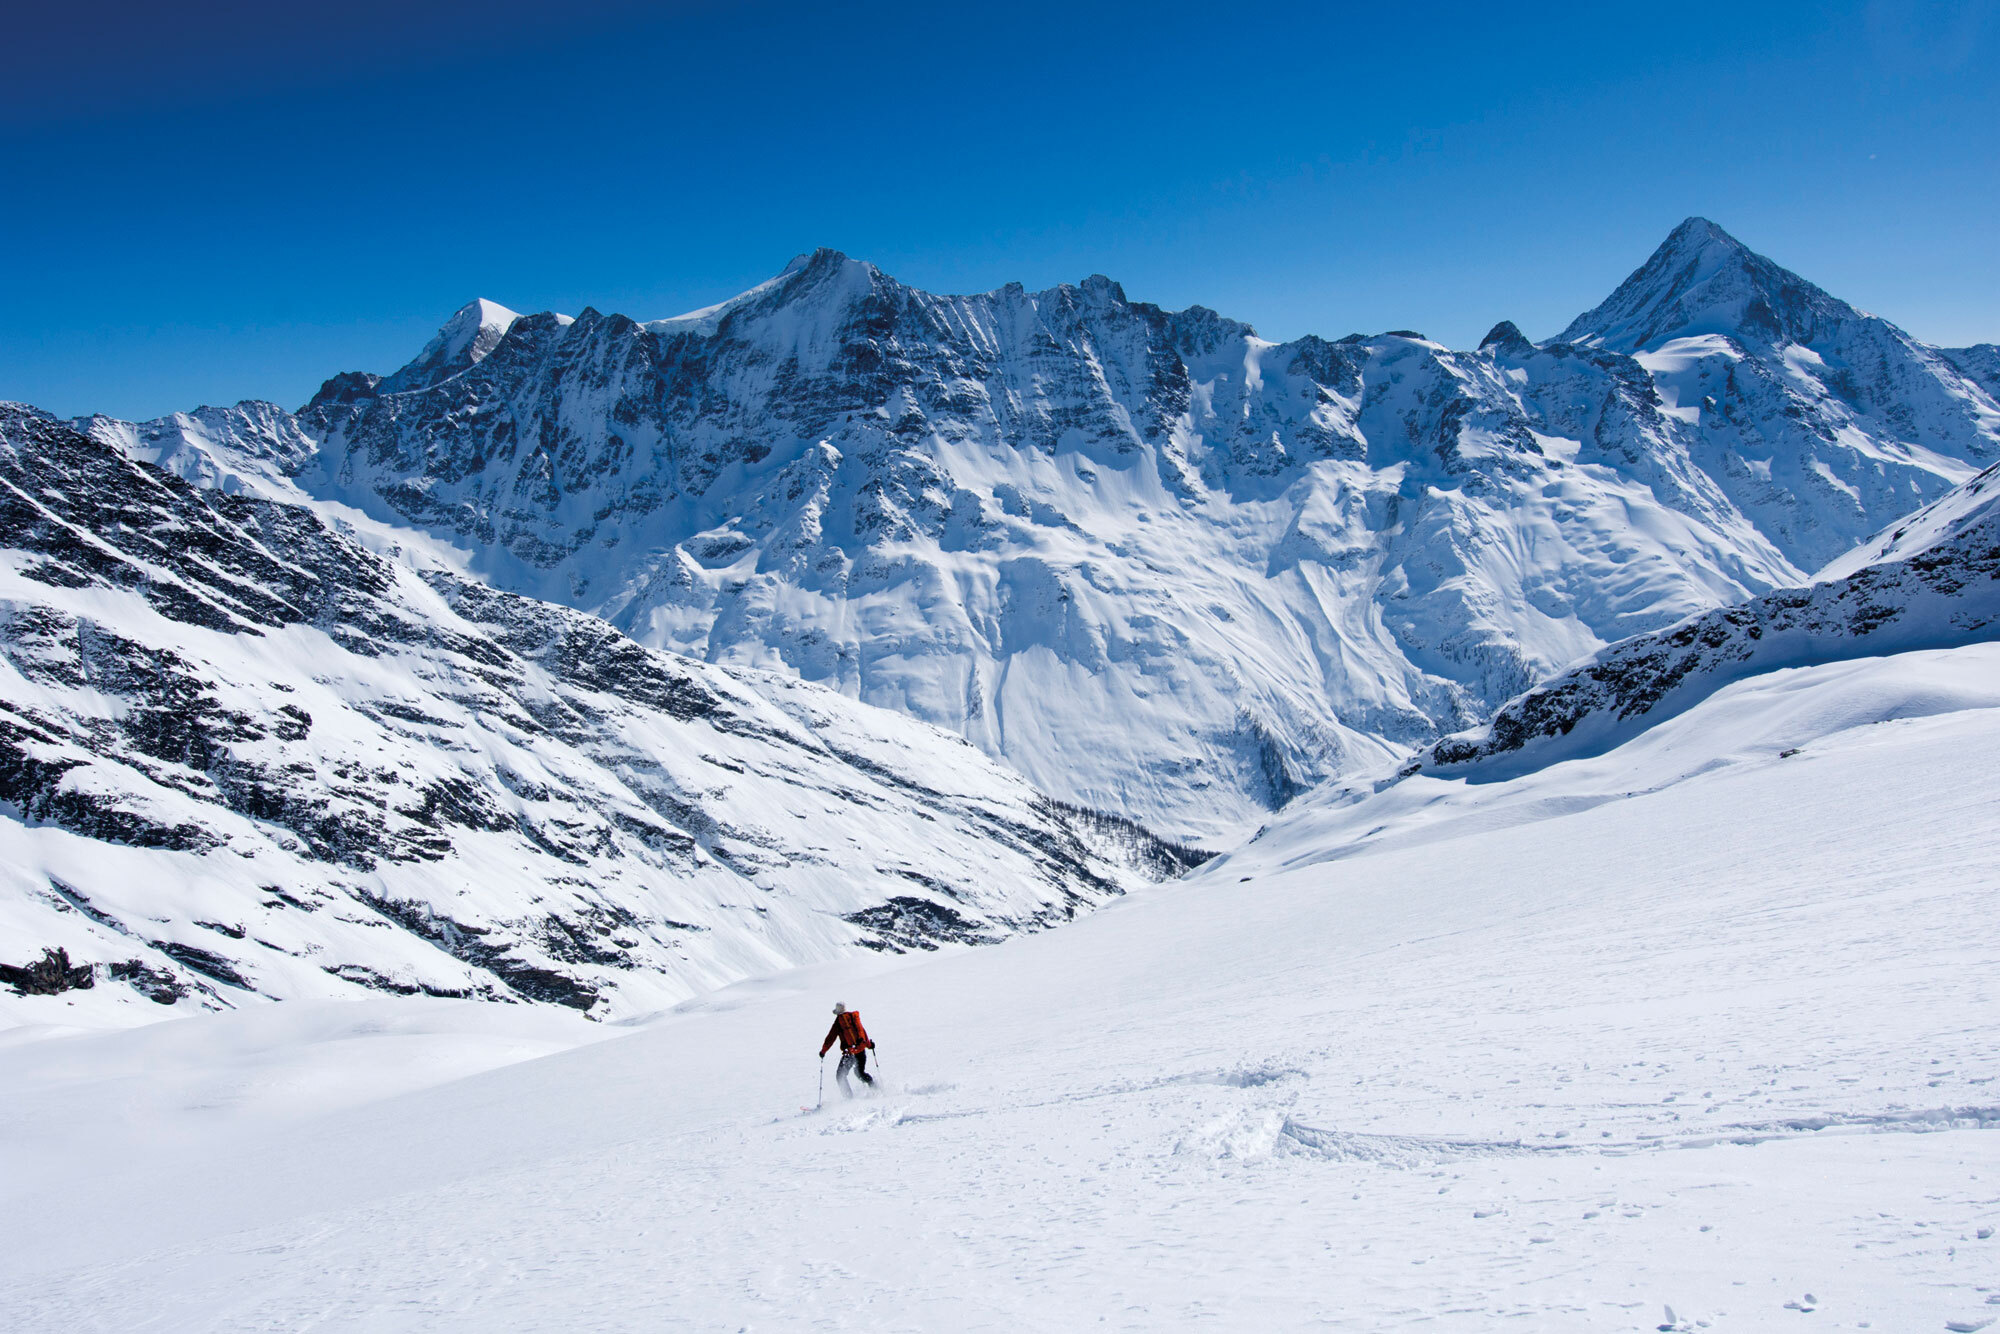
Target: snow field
x,y
1712,1033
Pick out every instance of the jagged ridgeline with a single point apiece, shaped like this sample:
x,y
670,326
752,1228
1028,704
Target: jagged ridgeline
x,y
243,756
1159,565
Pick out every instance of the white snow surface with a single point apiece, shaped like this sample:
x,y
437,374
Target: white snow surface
x,y
1935,584
1937,523
1700,1033
1155,563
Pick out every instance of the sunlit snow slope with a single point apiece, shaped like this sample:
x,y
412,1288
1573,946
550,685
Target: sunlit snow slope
x,y
1700,1033
1158,564
245,758
1931,582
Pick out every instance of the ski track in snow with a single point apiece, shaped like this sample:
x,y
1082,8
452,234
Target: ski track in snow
x,y
1712,1056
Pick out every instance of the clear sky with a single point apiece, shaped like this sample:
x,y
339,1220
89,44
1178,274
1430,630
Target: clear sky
x,y
212,201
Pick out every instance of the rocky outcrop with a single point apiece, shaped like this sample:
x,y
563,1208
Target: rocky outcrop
x,y
50,975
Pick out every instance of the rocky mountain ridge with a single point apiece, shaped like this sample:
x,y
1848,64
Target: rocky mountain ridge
x,y
1157,564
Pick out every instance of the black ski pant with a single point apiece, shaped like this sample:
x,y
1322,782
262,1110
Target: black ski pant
x,y
857,1061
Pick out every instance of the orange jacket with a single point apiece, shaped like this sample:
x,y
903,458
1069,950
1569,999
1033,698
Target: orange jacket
x,y
848,1030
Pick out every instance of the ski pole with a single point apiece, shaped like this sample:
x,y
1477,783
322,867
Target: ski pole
x,y
822,1080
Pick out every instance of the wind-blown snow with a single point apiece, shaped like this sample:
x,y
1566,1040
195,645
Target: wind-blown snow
x,y
1698,1034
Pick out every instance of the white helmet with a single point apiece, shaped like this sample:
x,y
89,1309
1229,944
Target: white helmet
x,y
839,1007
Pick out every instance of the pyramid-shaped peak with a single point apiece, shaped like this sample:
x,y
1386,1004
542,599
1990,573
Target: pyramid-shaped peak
x,y
1699,231
1507,336
474,330
1702,280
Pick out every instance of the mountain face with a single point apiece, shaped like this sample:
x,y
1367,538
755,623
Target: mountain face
x,y
243,756
1821,424
1155,563
1932,582
1980,364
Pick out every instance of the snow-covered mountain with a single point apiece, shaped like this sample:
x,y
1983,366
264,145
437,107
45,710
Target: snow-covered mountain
x,y
242,756
1932,582
1157,564
1820,422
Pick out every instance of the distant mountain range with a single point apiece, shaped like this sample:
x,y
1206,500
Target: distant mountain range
x,y
1158,565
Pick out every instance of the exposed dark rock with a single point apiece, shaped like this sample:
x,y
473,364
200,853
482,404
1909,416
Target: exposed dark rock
x,y
156,985
206,962
906,923
49,975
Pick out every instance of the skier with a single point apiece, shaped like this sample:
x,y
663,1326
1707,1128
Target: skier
x,y
855,1045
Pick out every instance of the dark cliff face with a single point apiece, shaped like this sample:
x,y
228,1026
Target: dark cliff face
x,y
291,766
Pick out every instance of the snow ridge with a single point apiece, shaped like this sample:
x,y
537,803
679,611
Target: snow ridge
x,y
1932,583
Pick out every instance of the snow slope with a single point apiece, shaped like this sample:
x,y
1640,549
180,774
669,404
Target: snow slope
x,y
1932,581
1709,1050
245,758
1154,562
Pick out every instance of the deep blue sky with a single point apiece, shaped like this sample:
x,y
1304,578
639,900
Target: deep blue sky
x,y
215,201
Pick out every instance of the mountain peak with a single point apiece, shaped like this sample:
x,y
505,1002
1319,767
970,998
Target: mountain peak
x,y
1697,231
1506,335
474,330
1702,280
805,272
825,257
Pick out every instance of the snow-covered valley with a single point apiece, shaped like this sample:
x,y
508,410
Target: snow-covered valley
x,y
1699,1033
435,825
